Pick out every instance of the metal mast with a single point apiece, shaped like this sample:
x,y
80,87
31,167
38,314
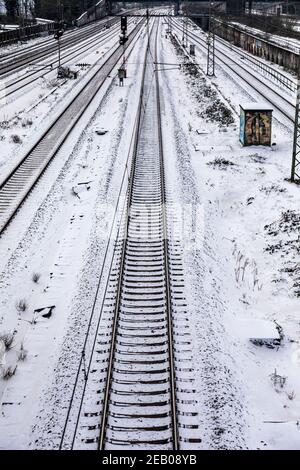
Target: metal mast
x,y
211,44
295,173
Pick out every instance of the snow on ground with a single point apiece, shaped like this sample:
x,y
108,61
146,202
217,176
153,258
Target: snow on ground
x,y
240,248
23,119
288,43
244,269
64,241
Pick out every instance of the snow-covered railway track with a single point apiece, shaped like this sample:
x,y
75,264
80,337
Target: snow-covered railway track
x,y
19,83
138,391
284,80
18,52
20,181
248,75
15,61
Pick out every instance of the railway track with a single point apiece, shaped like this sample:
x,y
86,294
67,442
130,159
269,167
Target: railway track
x,y
20,181
19,83
134,388
37,43
285,81
249,76
12,63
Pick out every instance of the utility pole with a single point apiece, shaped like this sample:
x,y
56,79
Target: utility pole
x,y
211,43
170,23
295,173
123,38
148,32
109,8
184,30
22,20
60,31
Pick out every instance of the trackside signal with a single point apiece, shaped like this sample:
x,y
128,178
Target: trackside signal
x,y
58,34
123,24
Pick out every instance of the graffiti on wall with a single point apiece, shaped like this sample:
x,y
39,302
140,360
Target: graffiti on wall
x,y
255,127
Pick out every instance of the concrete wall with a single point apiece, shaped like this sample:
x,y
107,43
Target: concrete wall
x,y
259,47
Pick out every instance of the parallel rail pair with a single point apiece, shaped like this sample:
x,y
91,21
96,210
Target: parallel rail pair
x,y
24,176
248,75
134,388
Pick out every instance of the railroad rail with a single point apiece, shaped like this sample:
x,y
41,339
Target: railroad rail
x,y
12,63
19,83
247,75
20,181
280,78
137,390
17,52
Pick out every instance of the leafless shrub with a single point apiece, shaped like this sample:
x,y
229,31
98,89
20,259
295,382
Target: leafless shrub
x,y
22,353
278,379
4,125
21,305
16,139
9,372
36,277
222,163
291,395
7,339
27,123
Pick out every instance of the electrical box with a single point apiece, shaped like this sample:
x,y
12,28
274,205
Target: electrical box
x,y
122,73
255,124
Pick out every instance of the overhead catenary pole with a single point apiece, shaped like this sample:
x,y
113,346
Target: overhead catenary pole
x,y
148,31
184,30
22,20
295,172
60,14
211,43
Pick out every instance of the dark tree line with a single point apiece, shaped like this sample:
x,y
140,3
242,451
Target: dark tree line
x,y
48,8
71,8
12,7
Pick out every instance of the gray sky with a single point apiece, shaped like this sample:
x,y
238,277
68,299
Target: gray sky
x,y
2,8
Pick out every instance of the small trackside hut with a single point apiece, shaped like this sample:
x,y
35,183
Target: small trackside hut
x,y
255,124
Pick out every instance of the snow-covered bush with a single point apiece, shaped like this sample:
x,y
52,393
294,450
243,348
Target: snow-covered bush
x,y
21,305
9,372
36,277
16,139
